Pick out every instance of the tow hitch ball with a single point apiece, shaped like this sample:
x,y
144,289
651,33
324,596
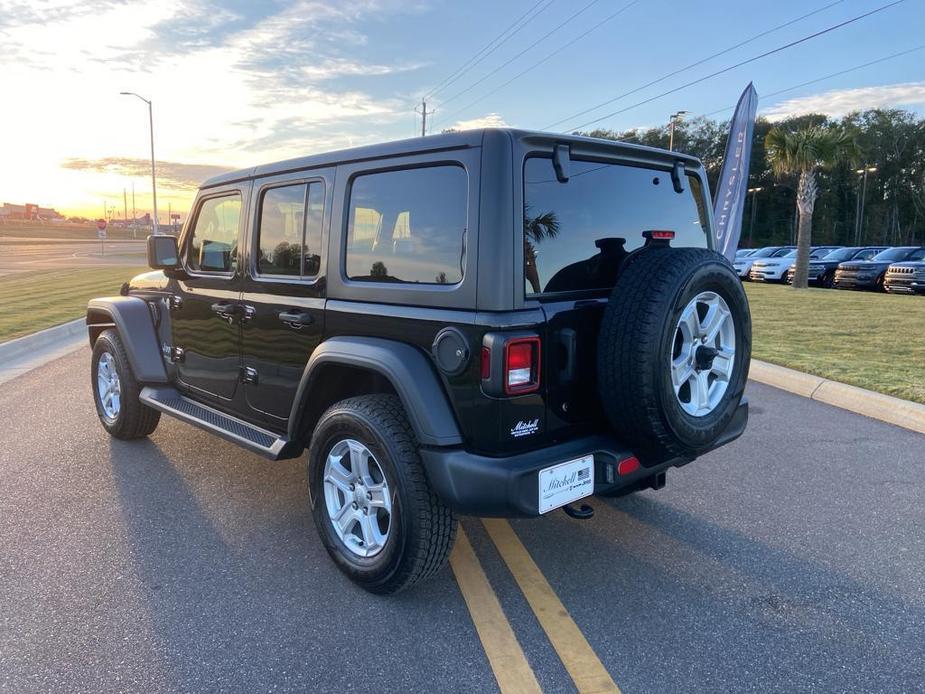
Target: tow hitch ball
x,y
583,513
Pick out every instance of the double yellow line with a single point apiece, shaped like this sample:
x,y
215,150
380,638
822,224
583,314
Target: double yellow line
x,y
505,655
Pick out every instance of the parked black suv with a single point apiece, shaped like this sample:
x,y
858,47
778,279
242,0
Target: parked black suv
x,y
492,322
905,278
822,270
869,274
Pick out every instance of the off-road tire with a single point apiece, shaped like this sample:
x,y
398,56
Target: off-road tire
x,y
423,528
135,419
634,352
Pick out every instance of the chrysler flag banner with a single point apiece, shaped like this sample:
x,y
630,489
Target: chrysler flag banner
x,y
733,180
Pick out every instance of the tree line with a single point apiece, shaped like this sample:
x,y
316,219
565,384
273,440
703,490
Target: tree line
x,y
891,211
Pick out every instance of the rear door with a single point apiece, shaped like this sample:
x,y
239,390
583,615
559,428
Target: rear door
x,y
577,235
204,312
284,289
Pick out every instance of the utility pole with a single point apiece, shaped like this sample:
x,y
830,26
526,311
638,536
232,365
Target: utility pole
x,y
169,217
424,113
133,209
124,205
675,118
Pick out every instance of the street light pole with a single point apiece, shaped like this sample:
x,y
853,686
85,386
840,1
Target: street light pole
x,y
153,175
751,223
859,222
675,117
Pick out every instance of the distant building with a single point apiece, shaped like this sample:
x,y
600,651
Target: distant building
x,y
29,212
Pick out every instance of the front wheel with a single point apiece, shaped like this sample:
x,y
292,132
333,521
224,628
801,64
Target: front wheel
x,y
373,507
115,391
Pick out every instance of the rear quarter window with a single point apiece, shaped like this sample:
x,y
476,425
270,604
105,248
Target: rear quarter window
x,y
576,234
408,226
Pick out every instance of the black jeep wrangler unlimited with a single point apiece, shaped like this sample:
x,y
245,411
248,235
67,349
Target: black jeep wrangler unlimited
x,y
494,322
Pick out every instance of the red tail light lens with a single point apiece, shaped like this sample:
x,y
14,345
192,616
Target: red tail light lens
x,y
522,365
486,364
661,234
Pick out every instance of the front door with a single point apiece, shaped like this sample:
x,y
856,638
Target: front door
x,y
206,312
283,294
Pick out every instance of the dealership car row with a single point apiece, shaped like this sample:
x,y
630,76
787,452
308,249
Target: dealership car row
x,y
896,269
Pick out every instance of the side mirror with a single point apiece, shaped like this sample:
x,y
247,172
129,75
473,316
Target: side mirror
x,y
163,253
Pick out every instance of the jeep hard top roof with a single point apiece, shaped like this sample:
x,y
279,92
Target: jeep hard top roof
x,y
434,143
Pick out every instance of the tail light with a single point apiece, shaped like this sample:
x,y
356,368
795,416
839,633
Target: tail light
x,y
510,363
521,365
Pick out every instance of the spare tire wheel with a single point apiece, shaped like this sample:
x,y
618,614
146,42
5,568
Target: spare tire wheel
x,y
673,352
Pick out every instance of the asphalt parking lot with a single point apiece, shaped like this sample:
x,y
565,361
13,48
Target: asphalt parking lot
x,y
791,560
29,255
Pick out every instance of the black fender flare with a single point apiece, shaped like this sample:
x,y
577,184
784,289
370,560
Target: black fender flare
x,y
406,368
131,316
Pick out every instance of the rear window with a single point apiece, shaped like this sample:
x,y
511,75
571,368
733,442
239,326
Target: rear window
x,y
576,234
408,226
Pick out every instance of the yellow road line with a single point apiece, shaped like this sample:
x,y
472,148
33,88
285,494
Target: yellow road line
x,y
582,663
506,657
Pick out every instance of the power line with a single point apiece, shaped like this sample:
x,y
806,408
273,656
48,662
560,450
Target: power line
x,y
695,64
491,46
826,77
744,62
507,62
548,58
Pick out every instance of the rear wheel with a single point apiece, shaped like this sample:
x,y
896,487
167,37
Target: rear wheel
x,y
373,507
115,391
673,352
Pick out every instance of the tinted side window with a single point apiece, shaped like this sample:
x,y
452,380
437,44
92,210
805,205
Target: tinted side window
x,y
214,244
288,243
408,226
282,213
576,234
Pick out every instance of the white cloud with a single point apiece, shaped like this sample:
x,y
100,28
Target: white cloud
x,y
489,120
839,102
227,90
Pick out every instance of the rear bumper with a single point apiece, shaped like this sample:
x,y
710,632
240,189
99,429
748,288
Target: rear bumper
x,y
508,487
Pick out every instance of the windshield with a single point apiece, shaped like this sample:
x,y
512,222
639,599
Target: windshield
x,y
791,254
841,254
743,252
892,254
781,252
917,254
866,254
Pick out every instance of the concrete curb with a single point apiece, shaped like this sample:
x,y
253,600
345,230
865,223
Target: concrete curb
x,y
22,355
902,413
28,344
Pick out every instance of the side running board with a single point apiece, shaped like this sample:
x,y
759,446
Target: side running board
x,y
255,439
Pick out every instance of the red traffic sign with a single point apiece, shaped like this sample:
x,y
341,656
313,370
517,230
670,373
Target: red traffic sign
x,y
101,224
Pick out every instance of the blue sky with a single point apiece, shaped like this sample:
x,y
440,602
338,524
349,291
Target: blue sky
x,y
238,83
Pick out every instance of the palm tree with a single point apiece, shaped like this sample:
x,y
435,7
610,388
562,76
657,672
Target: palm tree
x,y
536,229
805,152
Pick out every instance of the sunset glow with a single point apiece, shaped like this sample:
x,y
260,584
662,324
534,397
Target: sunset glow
x,y
234,86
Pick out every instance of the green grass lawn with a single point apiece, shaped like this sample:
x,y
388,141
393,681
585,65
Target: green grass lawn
x,y
30,302
875,341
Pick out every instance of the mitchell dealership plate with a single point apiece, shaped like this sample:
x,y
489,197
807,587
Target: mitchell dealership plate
x,y
566,482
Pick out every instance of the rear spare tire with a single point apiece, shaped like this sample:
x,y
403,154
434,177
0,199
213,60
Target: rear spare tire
x,y
673,352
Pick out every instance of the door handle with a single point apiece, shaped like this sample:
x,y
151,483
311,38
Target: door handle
x,y
296,319
226,309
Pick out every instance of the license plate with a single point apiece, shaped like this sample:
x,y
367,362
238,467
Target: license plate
x,y
566,482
